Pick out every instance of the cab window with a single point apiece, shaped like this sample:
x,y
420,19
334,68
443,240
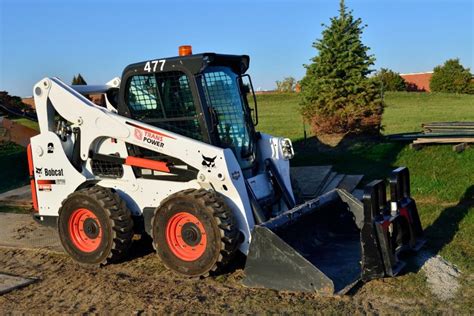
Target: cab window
x,y
164,100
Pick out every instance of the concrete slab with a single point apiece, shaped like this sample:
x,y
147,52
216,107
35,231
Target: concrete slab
x,y
11,282
311,178
17,197
21,231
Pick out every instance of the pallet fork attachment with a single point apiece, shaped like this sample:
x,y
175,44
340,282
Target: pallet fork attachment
x,y
330,243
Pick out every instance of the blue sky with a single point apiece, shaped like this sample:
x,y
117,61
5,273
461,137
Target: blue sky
x,y
99,38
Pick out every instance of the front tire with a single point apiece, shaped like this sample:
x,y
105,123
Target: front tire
x,y
194,232
95,226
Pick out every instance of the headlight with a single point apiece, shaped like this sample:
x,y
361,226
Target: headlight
x,y
287,148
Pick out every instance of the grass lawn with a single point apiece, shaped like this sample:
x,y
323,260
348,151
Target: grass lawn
x,y
442,180
406,111
28,123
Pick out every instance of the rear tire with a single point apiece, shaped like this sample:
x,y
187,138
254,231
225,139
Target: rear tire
x,y
95,226
194,232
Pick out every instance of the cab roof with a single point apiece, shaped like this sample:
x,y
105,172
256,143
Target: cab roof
x,y
195,64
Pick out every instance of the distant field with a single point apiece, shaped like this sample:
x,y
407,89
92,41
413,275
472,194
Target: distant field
x,y
404,112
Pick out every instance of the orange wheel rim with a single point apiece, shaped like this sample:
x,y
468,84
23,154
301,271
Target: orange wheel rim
x,y
186,236
85,230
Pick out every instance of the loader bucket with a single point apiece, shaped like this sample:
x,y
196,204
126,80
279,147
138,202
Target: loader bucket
x,y
330,243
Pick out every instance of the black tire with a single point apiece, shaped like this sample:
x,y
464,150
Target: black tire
x,y
215,218
108,226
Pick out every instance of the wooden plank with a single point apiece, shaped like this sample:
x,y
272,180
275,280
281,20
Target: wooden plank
x,y
443,140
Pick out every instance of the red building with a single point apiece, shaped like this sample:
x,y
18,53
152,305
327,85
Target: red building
x,y
419,81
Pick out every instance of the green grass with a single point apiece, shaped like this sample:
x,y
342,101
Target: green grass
x,y
14,167
442,180
406,111
278,115
28,123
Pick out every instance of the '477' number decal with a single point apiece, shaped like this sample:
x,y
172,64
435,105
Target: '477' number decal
x,y
153,64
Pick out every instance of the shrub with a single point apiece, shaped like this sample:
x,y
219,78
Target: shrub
x,y
452,77
390,80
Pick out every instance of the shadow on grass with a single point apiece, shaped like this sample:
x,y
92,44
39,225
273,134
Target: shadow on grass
x,y
370,156
443,230
445,227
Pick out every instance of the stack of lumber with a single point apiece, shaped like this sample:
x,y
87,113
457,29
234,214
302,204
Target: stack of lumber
x,y
447,132
460,133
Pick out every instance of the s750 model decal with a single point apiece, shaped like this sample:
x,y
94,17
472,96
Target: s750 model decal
x,y
153,64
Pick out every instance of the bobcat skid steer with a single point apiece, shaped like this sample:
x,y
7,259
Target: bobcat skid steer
x,y
174,153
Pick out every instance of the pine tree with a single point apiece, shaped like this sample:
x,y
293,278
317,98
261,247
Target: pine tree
x,y
78,80
337,96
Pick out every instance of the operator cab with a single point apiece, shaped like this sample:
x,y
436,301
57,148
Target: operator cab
x,y
201,96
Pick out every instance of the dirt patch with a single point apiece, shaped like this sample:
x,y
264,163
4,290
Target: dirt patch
x,y
21,231
12,282
143,284
442,276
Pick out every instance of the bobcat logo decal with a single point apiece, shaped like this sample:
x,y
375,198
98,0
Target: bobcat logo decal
x,y
208,162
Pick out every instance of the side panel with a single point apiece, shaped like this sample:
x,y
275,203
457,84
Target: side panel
x,y
55,177
270,147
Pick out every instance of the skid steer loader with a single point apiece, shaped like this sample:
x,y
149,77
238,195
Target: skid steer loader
x,y
174,153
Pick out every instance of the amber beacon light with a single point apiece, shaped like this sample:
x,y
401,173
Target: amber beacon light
x,y
185,50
